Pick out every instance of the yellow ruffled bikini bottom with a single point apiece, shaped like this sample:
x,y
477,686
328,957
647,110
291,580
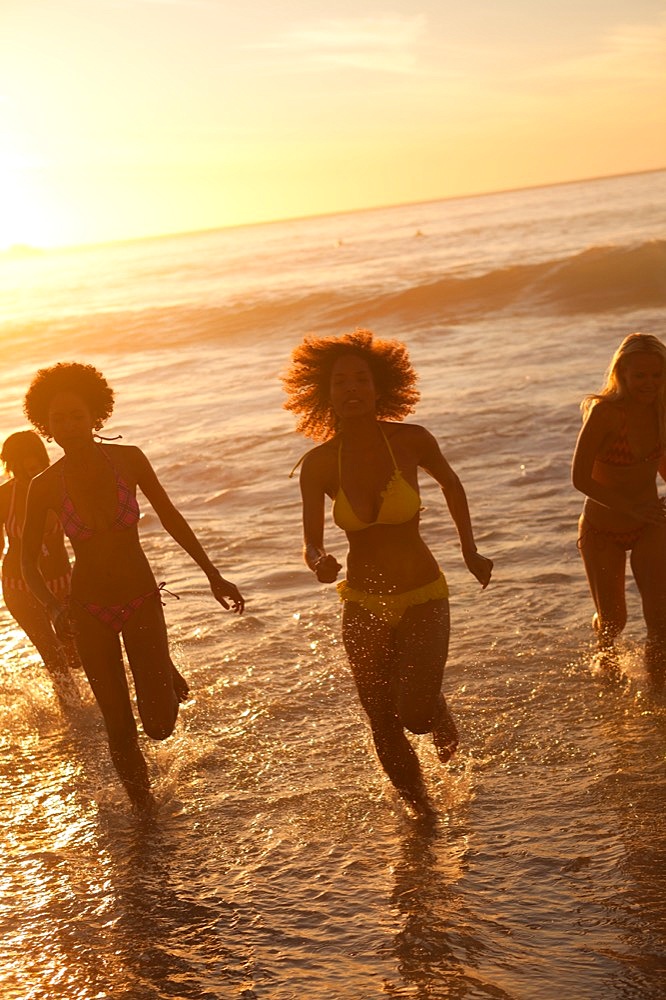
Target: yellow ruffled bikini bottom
x,y
391,607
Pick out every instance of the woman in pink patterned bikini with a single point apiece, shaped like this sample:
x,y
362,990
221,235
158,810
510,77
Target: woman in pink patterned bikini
x,y
620,451
92,489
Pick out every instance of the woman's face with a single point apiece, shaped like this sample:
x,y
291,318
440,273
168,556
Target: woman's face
x,y
352,388
643,375
70,421
31,464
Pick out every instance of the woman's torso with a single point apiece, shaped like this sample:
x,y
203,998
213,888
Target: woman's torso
x,y
100,514
628,463
54,559
376,502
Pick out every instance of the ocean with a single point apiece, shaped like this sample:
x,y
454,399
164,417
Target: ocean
x,y
281,864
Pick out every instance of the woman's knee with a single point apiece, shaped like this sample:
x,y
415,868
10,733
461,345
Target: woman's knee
x,y
158,716
418,719
158,730
416,693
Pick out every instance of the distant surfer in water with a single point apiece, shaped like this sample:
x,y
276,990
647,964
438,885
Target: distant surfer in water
x,y
92,490
620,450
24,456
351,392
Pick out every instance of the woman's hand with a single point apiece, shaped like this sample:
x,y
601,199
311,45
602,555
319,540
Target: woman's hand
x,y
326,569
479,566
653,512
62,623
226,593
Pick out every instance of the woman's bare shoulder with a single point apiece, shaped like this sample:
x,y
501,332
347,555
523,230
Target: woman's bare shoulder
x,y
407,435
605,413
128,460
47,486
6,490
123,452
320,456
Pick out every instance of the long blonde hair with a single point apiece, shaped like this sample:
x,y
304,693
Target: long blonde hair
x,y
615,388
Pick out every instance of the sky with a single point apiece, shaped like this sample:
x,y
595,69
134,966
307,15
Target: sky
x,y
128,118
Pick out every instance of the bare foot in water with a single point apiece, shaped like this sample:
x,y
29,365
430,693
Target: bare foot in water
x,y
605,661
419,803
180,686
605,644
445,735
145,807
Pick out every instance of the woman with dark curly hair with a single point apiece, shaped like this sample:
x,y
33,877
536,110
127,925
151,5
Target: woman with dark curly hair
x,y
351,392
92,489
24,456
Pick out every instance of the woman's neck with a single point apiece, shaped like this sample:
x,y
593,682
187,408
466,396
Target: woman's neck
x,y
360,430
81,455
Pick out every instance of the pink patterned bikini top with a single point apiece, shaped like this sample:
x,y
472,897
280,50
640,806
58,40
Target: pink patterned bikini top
x,y
127,514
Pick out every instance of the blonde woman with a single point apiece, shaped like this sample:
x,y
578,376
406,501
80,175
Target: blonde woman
x,y
619,453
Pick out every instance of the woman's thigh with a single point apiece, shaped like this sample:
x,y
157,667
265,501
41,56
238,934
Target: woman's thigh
x,y
368,644
421,650
147,648
605,565
101,656
31,615
648,564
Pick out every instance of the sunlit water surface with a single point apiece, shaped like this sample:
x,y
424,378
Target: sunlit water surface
x,y
280,864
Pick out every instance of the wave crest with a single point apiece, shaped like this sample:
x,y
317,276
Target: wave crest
x,y
594,280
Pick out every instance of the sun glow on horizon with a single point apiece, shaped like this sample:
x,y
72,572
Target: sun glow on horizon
x,y
26,216
121,119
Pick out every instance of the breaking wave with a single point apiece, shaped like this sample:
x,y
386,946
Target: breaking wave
x,y
594,280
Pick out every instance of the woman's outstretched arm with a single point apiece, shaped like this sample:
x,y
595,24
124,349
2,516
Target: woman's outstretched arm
x,y
175,524
433,461
325,566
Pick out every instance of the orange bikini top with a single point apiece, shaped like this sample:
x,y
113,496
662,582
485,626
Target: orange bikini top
x,y
619,451
400,501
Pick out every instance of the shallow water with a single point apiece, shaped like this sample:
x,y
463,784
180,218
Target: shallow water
x,y
281,863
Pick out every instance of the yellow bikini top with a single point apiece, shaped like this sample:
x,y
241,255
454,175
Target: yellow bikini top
x,y
400,501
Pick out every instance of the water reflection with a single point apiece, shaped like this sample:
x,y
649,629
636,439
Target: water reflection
x,y
435,949
93,901
171,927
635,788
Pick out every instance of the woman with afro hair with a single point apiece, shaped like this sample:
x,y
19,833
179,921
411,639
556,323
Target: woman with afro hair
x,y
353,392
92,489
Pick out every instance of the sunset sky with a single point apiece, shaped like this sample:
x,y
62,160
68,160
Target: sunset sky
x,y
124,118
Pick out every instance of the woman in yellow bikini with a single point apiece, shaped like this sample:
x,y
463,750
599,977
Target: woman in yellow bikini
x,y
620,450
350,391
92,489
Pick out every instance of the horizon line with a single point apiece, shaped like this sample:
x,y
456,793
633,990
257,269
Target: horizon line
x,y
25,249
